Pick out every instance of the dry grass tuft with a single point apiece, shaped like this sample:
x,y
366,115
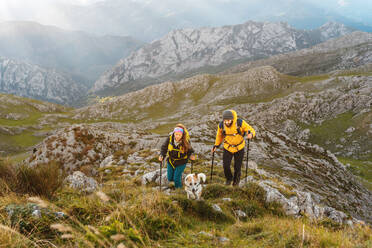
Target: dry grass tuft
x,y
103,196
38,201
61,228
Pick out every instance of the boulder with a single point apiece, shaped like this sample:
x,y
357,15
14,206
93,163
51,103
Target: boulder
x,y
78,180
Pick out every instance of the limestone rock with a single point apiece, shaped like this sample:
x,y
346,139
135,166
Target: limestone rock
x,y
80,181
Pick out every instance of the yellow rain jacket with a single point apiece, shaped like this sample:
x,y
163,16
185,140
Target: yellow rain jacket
x,y
233,141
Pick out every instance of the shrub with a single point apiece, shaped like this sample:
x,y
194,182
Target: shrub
x,y
213,191
251,191
203,210
42,180
251,208
8,174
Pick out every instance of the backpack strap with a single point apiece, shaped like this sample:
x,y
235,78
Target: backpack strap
x,y
222,127
239,123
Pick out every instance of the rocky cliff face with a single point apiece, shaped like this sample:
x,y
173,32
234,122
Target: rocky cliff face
x,y
349,51
185,51
28,80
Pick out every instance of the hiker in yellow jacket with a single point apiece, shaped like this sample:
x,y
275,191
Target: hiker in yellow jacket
x,y
232,131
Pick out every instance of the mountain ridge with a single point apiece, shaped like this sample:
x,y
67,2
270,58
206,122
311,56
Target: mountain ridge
x,y
185,50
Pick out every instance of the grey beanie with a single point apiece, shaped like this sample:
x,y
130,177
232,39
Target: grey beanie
x,y
227,115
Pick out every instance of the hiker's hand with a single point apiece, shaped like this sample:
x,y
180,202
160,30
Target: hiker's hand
x,y
160,158
192,157
250,136
214,149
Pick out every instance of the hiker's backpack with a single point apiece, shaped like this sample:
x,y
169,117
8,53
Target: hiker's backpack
x,y
239,123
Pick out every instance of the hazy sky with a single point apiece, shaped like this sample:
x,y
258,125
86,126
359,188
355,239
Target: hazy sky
x,y
168,14
43,10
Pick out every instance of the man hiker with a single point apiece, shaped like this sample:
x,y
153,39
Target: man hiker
x,y
232,131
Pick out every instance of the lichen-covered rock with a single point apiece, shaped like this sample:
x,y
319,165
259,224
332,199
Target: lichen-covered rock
x,y
154,176
94,144
81,182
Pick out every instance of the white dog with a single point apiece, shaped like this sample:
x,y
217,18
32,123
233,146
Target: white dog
x,y
193,185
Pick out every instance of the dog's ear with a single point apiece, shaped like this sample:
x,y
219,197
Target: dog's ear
x,y
202,177
186,179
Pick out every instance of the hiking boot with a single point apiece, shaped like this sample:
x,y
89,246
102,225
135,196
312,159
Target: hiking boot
x,y
228,182
236,184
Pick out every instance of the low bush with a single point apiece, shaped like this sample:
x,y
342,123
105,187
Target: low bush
x,y
8,175
252,208
41,180
203,210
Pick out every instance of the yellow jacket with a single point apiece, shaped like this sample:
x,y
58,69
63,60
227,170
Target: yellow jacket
x,y
233,142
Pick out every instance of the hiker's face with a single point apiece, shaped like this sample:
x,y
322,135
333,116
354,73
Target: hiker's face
x,y
228,122
177,136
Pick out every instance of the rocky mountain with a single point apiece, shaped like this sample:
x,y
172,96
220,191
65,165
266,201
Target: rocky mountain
x,y
80,54
186,51
351,50
33,81
332,110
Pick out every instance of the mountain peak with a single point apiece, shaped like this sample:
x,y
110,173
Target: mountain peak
x,y
186,52
333,29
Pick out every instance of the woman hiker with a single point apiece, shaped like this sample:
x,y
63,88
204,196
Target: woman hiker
x,y
231,132
179,151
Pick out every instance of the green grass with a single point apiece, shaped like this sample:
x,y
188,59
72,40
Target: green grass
x,y
31,120
361,168
25,140
308,79
330,129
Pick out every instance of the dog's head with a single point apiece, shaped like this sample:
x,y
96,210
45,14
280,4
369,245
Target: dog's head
x,y
193,181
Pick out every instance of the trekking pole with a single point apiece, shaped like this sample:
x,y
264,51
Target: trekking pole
x,y
192,163
212,166
246,167
161,167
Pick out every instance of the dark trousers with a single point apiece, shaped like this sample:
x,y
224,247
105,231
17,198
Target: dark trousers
x,y
238,160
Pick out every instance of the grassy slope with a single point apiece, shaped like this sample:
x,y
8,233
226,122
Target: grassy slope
x,y
21,141
139,213
139,216
329,133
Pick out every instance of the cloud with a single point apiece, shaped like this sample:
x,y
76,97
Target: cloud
x,y
342,3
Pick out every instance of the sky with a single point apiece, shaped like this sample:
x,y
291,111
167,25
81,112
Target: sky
x,y
170,13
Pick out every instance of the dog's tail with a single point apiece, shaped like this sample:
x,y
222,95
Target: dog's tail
x,y
202,176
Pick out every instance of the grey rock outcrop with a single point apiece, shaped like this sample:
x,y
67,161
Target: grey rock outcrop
x,y
154,176
81,182
349,51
